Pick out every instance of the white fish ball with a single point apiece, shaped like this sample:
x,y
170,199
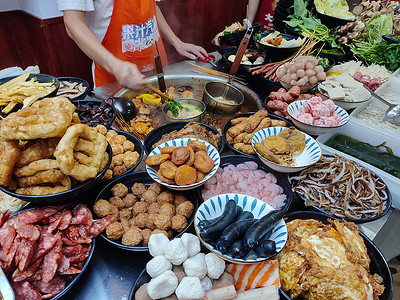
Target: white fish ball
x,y
293,82
310,65
310,72
301,82
294,76
286,65
318,69
313,79
321,76
300,73
293,69
299,65
286,78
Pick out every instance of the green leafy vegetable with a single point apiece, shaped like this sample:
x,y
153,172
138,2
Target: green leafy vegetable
x,y
323,61
174,105
335,8
257,36
376,27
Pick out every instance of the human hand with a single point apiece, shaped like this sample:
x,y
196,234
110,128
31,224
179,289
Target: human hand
x,y
191,51
129,76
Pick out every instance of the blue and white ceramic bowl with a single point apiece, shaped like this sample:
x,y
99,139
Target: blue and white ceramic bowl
x,y
311,154
182,142
214,207
294,109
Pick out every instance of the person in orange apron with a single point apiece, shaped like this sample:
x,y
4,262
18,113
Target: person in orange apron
x,y
262,11
126,49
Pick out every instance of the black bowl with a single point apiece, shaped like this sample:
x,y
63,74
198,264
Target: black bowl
x,y
234,39
222,49
282,179
138,147
331,22
291,31
339,57
245,69
277,53
228,125
357,221
42,78
82,104
85,84
143,177
155,135
270,85
378,262
63,197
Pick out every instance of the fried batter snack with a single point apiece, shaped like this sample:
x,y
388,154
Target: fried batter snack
x,y
165,179
46,118
197,146
295,138
168,169
180,155
9,155
66,148
168,150
64,185
157,159
202,162
37,149
36,166
41,177
185,175
248,149
190,160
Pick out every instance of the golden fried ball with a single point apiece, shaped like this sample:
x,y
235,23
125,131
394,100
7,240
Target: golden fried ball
x,y
165,197
150,221
101,129
146,233
129,200
162,222
125,224
114,231
179,223
149,196
154,208
119,170
155,231
130,159
125,213
140,207
132,221
102,208
111,134
185,209
138,189
114,211
118,160
141,219
156,187
117,149
128,146
167,209
119,190
118,202
132,237
120,139
108,174
179,198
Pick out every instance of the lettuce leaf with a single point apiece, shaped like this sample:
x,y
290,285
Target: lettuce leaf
x,y
334,8
376,27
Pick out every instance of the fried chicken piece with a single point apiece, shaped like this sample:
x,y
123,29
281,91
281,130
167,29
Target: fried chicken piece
x,y
295,138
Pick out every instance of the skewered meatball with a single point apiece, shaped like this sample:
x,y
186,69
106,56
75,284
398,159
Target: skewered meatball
x,y
156,187
129,200
179,223
162,222
165,197
102,208
146,233
154,208
149,196
179,198
119,190
132,237
140,207
141,219
114,231
150,221
185,209
167,209
117,201
138,189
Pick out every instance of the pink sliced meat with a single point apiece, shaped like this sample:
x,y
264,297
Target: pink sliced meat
x,y
71,236
53,225
31,232
4,215
63,265
46,242
35,215
52,288
78,258
66,218
25,291
50,262
71,271
31,271
7,236
82,215
11,253
100,225
24,254
71,250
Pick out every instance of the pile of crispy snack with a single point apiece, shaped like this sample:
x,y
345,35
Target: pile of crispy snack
x,y
45,150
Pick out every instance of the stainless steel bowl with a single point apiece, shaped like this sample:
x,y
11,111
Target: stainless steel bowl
x,y
193,101
216,89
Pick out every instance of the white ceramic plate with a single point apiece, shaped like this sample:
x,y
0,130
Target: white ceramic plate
x,y
311,154
182,142
214,207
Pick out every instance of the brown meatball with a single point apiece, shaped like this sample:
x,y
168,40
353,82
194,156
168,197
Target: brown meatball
x,y
155,231
179,223
185,209
132,237
162,222
119,170
138,189
114,231
154,208
132,222
125,213
108,174
167,209
102,208
150,221
117,201
120,139
165,197
101,129
179,198
146,233
149,196
114,211
140,207
125,224
128,146
156,187
141,219
117,149
119,190
129,200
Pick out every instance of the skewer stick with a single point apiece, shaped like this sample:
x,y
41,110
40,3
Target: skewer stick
x,y
216,73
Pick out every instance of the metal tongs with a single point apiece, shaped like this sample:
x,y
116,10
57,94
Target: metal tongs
x,y
159,67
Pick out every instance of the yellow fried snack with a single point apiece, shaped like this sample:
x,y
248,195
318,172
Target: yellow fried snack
x,y
46,118
63,185
197,146
180,155
295,138
9,155
64,153
248,149
276,144
203,162
165,179
168,169
41,177
167,150
36,166
157,159
185,175
190,160
36,150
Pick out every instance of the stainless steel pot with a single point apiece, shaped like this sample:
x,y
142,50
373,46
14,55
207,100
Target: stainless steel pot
x,y
212,90
193,101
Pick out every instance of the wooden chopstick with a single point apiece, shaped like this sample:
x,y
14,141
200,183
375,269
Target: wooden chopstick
x,y
158,92
216,73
